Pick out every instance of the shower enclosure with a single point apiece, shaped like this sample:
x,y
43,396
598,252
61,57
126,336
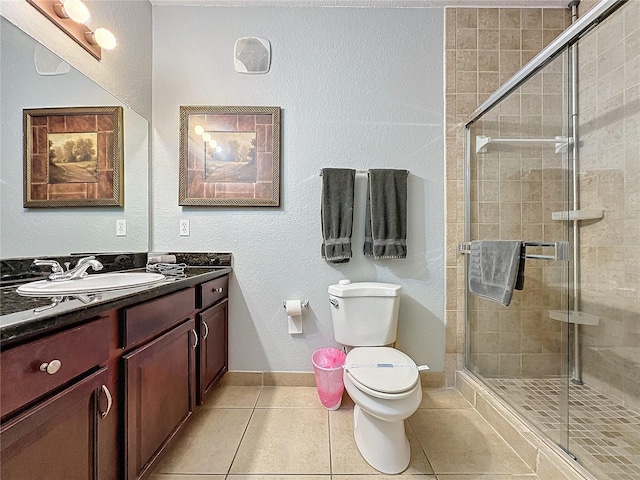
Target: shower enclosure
x,y
553,158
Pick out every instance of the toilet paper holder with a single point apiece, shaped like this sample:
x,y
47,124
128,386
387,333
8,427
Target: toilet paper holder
x,y
303,304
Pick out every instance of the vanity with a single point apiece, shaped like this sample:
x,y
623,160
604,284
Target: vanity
x,y
97,390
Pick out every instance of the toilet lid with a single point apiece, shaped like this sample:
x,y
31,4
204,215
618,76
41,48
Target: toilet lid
x,y
383,369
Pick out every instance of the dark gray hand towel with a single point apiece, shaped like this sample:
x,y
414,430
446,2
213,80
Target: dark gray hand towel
x,y
493,269
385,228
336,211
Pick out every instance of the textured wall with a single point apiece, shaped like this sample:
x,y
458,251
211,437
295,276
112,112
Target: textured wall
x,y
359,88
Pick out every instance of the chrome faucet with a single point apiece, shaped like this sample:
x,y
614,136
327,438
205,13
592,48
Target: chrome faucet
x,y
79,271
56,269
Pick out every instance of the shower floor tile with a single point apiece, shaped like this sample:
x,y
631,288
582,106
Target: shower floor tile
x,y
603,435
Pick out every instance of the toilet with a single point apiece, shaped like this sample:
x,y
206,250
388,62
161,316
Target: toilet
x,y
383,382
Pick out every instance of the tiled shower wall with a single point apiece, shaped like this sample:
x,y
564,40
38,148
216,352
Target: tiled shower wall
x,y
484,48
609,179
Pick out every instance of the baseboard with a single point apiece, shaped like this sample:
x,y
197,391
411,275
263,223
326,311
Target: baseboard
x,y
305,379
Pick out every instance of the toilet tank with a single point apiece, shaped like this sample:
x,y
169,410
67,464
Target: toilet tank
x,y
364,314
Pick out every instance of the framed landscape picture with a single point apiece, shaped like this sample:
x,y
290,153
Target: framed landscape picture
x,y
229,156
73,157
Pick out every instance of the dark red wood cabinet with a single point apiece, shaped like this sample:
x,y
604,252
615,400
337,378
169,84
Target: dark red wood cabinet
x,y
58,438
159,395
103,399
213,325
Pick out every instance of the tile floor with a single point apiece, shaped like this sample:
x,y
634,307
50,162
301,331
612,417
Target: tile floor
x,y
276,433
603,434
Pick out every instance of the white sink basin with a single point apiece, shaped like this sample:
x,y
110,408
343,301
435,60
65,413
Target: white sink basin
x,y
101,282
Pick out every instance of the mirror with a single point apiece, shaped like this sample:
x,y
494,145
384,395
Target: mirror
x,y
31,232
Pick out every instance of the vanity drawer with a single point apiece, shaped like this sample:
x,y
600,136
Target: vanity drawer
x,y
213,291
67,354
147,319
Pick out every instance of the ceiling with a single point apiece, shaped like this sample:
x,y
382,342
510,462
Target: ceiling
x,y
369,3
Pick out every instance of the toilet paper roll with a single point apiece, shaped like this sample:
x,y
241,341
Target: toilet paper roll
x,y
293,307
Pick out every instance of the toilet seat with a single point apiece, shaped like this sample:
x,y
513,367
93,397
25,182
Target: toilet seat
x,y
382,372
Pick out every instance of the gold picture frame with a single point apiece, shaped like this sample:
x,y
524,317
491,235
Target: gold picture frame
x,y
73,157
229,156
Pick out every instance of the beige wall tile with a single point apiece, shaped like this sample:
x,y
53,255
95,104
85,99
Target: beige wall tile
x,y
467,18
291,379
509,18
496,55
488,18
466,38
233,396
531,18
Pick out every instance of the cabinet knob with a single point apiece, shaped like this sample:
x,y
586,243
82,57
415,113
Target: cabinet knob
x,y
218,290
52,367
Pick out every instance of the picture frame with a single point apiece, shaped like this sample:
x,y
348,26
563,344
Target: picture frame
x,y
229,156
73,157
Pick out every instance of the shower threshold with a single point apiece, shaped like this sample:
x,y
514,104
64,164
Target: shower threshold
x,y
604,435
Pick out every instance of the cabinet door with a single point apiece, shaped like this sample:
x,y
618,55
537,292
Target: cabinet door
x,y
159,395
213,324
57,438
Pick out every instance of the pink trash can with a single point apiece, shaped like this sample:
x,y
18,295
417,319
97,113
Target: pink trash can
x,y
327,367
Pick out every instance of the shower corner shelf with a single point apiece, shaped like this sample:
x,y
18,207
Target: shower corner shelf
x,y
575,215
572,316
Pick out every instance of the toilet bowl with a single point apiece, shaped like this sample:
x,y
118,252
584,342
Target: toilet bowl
x,y
385,386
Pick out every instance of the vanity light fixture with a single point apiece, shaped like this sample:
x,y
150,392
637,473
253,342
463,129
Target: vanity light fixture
x,y
73,9
71,16
102,37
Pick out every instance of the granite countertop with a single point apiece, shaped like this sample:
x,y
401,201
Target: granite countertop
x,y
22,318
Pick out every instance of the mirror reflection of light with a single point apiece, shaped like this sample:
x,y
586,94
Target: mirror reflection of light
x,y
213,143
199,129
206,136
218,149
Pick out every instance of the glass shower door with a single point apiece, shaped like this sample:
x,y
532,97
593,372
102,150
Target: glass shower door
x,y
519,188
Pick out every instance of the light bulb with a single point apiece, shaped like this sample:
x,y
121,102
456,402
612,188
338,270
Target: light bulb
x,y
73,9
105,38
206,136
199,129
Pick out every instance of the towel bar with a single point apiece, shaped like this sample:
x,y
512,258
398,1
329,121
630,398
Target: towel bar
x,y
363,172
559,253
